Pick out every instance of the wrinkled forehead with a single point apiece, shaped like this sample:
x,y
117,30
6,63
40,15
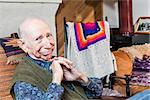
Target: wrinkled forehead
x,y
34,28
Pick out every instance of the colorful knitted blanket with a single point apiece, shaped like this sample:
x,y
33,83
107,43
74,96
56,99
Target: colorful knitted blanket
x,y
89,33
89,48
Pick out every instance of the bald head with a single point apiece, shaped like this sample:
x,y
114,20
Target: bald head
x,y
36,38
31,25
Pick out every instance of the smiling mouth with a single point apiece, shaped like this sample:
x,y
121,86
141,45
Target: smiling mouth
x,y
45,54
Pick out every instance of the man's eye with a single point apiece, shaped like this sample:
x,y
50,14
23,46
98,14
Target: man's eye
x,y
39,38
49,35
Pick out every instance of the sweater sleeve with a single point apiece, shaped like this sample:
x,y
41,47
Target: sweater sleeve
x,y
94,89
25,91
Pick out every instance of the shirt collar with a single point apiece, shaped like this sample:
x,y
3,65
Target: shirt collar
x,y
43,64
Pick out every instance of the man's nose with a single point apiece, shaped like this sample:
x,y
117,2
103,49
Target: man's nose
x,y
48,42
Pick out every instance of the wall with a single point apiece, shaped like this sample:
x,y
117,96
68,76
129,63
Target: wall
x,y
140,8
110,9
35,1
13,12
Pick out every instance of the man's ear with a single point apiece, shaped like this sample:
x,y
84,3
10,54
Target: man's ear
x,y
22,45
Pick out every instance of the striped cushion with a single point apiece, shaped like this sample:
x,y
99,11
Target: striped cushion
x,y
10,46
12,51
6,72
8,51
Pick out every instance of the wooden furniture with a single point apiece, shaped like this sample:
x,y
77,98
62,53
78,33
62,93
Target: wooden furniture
x,y
127,79
125,16
6,73
122,36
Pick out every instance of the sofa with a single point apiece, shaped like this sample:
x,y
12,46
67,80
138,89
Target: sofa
x,y
125,58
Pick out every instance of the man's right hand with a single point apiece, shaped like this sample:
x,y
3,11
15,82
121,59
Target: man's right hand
x,y
57,64
57,72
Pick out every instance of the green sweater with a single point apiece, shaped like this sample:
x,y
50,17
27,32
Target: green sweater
x,y
30,72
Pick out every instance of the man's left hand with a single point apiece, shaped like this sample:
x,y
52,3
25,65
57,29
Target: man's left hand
x,y
71,73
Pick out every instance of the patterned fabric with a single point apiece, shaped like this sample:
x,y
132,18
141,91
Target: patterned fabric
x,y
89,33
25,91
10,47
90,52
12,51
94,88
142,64
109,92
140,78
141,71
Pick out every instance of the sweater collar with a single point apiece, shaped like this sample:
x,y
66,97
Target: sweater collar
x,y
43,64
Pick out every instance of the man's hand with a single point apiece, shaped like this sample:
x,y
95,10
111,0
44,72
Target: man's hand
x,y
70,72
57,70
12,62
74,75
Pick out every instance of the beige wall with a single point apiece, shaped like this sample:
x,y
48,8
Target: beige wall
x,y
13,12
140,8
110,9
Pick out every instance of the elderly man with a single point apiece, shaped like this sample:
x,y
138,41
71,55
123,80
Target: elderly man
x,y
42,77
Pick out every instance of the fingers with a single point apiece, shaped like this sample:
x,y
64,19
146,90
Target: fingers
x,y
56,67
62,59
57,72
65,59
51,60
65,69
12,62
61,62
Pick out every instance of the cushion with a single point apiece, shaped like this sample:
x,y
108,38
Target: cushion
x,y
137,50
124,58
140,78
6,72
141,71
142,64
12,51
8,52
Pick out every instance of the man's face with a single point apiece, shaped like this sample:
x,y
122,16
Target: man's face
x,y
40,42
